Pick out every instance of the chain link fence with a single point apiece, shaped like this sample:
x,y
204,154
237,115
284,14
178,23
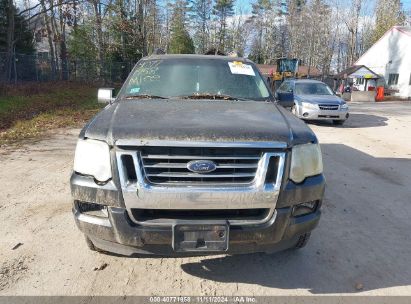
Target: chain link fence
x,y
24,68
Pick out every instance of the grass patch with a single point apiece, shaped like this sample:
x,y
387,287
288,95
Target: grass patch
x,y
26,111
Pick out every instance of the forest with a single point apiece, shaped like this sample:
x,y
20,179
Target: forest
x,y
327,34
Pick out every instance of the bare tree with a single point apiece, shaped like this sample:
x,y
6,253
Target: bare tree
x,y
351,21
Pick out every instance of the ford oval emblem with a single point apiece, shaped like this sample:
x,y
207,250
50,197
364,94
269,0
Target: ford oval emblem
x,y
201,166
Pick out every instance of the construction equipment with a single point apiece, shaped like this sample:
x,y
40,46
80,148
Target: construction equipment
x,y
286,68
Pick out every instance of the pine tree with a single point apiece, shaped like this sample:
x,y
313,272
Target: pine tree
x,y
222,10
388,13
80,43
260,9
15,37
23,37
202,15
180,42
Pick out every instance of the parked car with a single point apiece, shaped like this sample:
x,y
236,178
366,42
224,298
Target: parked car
x,y
195,156
314,100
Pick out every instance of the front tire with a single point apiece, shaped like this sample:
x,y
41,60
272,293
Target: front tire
x,y
302,240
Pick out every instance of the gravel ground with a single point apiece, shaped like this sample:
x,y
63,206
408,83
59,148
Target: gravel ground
x,y
362,245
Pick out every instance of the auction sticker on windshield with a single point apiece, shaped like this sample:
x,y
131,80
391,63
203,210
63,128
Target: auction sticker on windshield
x,y
240,68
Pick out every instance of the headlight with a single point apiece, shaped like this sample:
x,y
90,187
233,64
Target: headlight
x,y
344,106
308,105
306,160
93,158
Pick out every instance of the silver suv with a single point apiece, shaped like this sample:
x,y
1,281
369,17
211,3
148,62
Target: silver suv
x,y
314,100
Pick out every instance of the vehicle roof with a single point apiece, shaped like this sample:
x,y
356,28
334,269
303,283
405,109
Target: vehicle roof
x,y
195,56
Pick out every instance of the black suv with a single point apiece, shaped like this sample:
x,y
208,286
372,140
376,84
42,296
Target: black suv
x,y
195,156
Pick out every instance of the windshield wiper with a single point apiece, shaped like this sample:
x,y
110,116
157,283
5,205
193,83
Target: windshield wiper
x,y
210,96
144,96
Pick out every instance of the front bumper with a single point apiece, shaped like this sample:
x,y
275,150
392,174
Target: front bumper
x,y
119,234
318,114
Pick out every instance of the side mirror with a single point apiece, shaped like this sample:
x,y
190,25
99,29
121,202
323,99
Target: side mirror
x,y
105,95
285,99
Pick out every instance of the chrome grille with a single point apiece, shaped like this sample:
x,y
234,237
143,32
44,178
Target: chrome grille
x,y
168,165
328,107
158,200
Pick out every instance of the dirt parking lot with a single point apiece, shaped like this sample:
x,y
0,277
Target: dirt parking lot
x,y
362,244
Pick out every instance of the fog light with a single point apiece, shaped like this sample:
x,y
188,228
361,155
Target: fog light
x,y
305,114
93,209
304,208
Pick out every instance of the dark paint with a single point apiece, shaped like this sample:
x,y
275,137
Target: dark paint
x,y
201,120
278,234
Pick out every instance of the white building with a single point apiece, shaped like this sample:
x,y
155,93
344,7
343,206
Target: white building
x,y
359,77
390,57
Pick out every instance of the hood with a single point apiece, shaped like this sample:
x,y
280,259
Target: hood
x,y
200,120
320,99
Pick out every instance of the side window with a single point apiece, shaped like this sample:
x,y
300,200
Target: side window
x,y
285,87
281,88
393,79
289,87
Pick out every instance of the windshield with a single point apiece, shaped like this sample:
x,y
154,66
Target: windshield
x,y
195,78
312,89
